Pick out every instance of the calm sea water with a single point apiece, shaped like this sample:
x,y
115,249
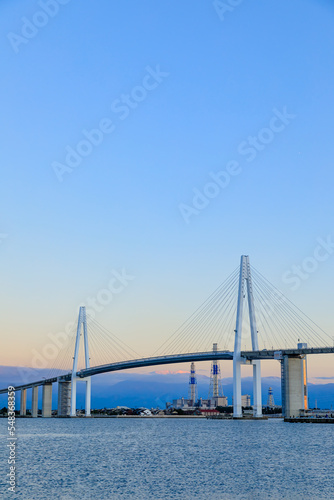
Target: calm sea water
x,y
169,459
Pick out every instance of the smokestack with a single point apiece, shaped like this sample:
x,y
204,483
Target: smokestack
x,y
192,385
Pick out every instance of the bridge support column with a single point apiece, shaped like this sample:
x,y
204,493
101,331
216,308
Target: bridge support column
x,y
23,404
82,321
64,399
245,278
257,393
34,401
294,386
73,397
47,400
88,396
237,408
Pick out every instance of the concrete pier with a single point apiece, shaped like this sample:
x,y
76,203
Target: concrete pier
x,y
64,399
23,405
294,386
88,396
34,401
47,400
309,420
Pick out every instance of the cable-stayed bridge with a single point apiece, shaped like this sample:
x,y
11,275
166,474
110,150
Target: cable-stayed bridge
x,y
245,310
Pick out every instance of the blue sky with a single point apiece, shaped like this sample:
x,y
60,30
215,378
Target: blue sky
x,y
120,208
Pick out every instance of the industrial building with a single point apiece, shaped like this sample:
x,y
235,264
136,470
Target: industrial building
x,y
245,400
215,396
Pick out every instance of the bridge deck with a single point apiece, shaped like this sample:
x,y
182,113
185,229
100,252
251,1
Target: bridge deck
x,y
270,354
177,358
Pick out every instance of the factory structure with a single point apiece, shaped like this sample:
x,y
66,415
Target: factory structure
x,y
215,395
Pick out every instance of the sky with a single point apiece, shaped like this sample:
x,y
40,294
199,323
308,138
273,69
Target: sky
x,y
145,146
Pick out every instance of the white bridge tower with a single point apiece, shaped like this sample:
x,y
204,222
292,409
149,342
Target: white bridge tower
x,y
82,321
245,280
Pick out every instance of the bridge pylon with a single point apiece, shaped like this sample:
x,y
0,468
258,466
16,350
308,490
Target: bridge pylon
x,y
245,281
82,322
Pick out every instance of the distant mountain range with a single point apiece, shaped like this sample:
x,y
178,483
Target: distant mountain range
x,y
154,389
